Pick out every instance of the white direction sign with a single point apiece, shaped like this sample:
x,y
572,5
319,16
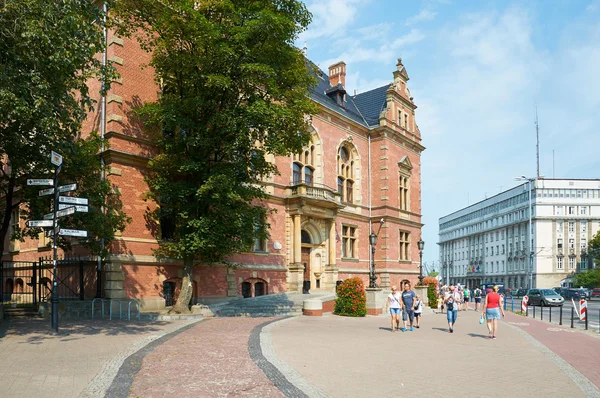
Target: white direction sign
x,y
67,188
73,232
48,191
55,158
40,181
65,212
48,216
70,199
80,209
40,223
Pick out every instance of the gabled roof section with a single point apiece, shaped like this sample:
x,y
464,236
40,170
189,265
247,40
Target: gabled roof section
x,y
405,163
371,103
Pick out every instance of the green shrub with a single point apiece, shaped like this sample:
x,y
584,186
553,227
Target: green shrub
x,y
431,296
351,298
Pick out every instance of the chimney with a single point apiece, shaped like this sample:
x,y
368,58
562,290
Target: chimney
x,y
337,74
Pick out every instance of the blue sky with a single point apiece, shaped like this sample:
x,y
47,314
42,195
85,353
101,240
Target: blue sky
x,y
477,70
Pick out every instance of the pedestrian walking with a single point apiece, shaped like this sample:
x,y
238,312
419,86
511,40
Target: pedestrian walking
x,y
452,301
418,310
394,306
440,303
408,300
492,309
467,296
462,298
477,295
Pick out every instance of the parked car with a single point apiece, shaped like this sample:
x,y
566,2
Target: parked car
x,y
574,294
544,297
559,290
520,292
585,292
595,292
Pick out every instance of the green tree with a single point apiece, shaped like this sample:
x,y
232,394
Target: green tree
x,y
594,249
589,278
433,274
48,52
234,89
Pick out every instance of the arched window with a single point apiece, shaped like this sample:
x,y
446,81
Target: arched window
x,y
345,179
303,169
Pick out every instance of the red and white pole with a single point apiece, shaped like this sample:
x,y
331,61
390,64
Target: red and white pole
x,y
582,309
524,304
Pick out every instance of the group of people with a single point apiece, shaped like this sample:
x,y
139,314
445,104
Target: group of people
x,y
406,303
410,306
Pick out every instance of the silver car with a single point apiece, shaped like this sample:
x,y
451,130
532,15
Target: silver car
x,y
544,297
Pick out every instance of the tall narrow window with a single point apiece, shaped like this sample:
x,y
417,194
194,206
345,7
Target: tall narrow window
x,y
345,175
404,183
348,241
404,244
303,167
559,263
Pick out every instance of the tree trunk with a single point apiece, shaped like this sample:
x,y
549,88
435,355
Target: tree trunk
x,y
7,213
185,293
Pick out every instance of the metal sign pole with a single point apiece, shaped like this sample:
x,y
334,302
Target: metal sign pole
x,y
54,299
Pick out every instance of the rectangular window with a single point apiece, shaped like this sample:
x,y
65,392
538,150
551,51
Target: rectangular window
x,y
259,244
404,244
571,262
571,227
559,227
348,241
404,193
583,210
571,243
559,243
559,263
571,210
584,227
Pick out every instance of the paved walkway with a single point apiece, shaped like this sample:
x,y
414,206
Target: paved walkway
x,y
36,364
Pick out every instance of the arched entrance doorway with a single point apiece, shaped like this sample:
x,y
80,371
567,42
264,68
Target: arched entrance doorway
x,y
306,241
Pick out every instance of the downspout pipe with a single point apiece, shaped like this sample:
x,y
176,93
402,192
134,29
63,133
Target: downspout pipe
x,y
102,133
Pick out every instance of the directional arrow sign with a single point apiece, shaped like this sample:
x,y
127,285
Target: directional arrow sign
x,y
40,223
65,212
48,216
73,232
70,199
40,181
67,188
55,158
80,209
48,191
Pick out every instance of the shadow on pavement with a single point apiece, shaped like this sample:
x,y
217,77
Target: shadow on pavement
x,y
445,330
482,336
386,329
39,330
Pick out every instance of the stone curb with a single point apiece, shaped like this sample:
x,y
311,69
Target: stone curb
x,y
283,376
585,385
116,375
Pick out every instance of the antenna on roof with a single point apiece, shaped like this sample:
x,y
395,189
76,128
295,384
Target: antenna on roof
x,y
537,136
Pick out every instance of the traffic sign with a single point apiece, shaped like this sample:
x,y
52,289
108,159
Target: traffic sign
x,y
80,209
55,158
67,188
40,181
73,200
40,223
47,191
73,232
65,212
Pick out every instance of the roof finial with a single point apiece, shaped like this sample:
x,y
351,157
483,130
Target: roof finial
x,y
399,64
304,49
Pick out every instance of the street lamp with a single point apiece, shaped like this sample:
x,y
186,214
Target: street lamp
x,y
530,234
373,242
420,245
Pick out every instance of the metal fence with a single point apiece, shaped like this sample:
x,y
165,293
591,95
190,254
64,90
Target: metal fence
x,y
25,283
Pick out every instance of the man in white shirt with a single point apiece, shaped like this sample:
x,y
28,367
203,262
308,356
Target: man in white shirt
x,y
452,302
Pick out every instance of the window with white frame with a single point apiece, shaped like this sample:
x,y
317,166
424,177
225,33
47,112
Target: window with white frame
x,y
571,262
583,210
559,227
571,211
559,262
583,227
571,227
571,243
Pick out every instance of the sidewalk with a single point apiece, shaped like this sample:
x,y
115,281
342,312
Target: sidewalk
x,y
36,364
357,357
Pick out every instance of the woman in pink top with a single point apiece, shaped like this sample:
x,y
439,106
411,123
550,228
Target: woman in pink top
x,y
492,309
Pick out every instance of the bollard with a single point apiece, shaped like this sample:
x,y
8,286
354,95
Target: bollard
x,y
586,320
533,312
512,303
550,314
560,313
527,311
541,311
572,314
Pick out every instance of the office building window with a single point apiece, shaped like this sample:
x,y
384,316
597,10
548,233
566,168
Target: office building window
x,y
571,262
571,227
559,263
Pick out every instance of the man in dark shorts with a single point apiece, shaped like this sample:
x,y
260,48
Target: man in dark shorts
x,y
408,303
477,296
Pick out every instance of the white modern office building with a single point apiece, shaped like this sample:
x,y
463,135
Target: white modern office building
x,y
490,241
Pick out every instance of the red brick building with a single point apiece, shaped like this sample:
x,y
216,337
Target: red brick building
x,y
362,165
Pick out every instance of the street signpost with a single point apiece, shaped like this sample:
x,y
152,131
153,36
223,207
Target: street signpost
x,y
73,232
55,159
40,223
73,200
65,212
79,209
67,188
46,192
40,181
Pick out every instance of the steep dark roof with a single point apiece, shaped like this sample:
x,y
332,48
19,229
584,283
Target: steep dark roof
x,y
371,103
363,108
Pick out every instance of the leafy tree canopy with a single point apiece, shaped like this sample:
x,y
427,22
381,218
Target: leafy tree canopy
x,y
589,278
48,52
234,89
594,248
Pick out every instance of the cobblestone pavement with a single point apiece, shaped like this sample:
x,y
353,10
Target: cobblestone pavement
x,y
358,357
36,364
211,359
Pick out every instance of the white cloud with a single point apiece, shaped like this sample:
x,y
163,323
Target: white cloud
x,y
425,15
331,18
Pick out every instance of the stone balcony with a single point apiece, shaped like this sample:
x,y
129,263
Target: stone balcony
x,y
314,194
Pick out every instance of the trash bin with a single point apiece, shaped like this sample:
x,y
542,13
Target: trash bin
x,y
306,287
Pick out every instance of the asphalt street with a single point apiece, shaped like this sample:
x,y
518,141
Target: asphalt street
x,y
593,310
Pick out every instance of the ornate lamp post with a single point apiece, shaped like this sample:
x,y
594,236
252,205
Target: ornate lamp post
x,y
420,245
373,242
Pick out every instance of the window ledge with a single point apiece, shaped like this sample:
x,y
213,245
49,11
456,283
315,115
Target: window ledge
x,y
350,259
261,253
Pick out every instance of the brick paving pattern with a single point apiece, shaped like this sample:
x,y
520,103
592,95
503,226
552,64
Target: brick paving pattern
x,y
36,364
350,357
208,360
